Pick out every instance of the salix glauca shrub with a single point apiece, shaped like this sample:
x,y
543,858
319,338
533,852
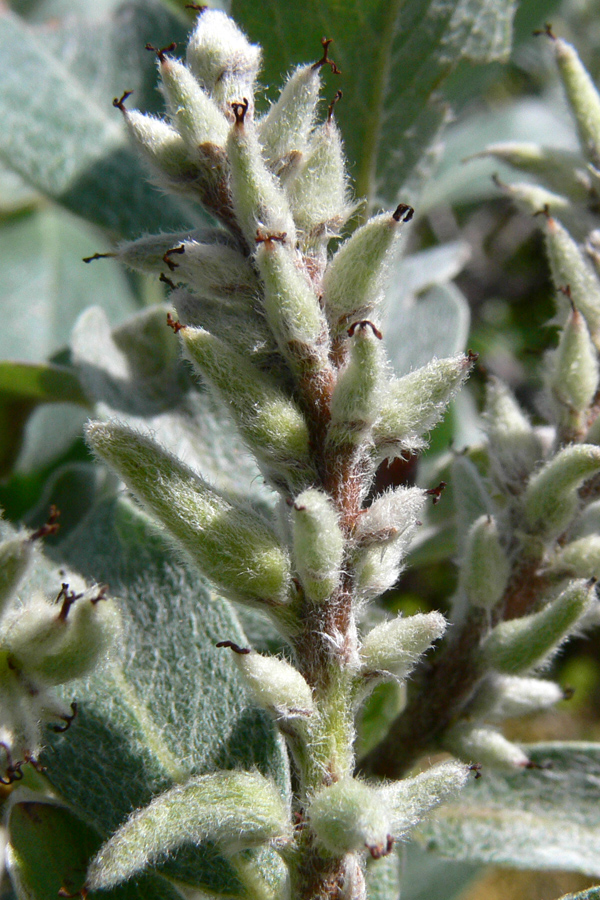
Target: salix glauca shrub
x,y
279,310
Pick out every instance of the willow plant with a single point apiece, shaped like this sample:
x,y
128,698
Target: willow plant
x,y
279,309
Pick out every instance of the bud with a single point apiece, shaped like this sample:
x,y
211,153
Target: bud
x,y
15,557
213,270
580,558
507,696
513,444
574,376
520,644
532,199
230,543
485,568
222,59
55,644
356,395
571,269
383,534
413,404
551,498
476,744
160,145
355,279
286,128
559,170
271,423
235,810
291,306
396,646
318,544
351,815
259,201
275,684
192,112
583,98
241,329
318,190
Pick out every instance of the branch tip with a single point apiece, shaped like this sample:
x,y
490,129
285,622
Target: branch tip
x,y
242,651
50,527
119,102
546,31
176,326
167,256
403,212
436,492
325,61
89,259
162,51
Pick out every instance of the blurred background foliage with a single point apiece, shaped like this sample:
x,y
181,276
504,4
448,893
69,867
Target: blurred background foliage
x,y
50,219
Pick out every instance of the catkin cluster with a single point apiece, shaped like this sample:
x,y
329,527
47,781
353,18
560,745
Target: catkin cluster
x,y
282,319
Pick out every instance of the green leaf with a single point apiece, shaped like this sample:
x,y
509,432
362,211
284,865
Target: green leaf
x,y
394,56
50,849
41,382
546,818
436,324
60,132
237,810
171,704
135,373
45,285
426,876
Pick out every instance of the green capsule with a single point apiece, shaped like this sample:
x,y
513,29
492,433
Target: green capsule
x,y
572,272
318,544
222,59
559,170
292,307
410,406
519,645
551,498
397,645
574,375
270,422
583,98
482,745
218,271
286,128
514,446
508,696
485,567
56,643
275,684
230,543
579,558
355,279
360,385
259,201
161,146
192,112
319,193
15,557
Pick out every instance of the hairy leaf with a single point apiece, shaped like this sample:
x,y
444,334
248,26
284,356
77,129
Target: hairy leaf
x,y
50,849
171,704
60,132
394,56
546,818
